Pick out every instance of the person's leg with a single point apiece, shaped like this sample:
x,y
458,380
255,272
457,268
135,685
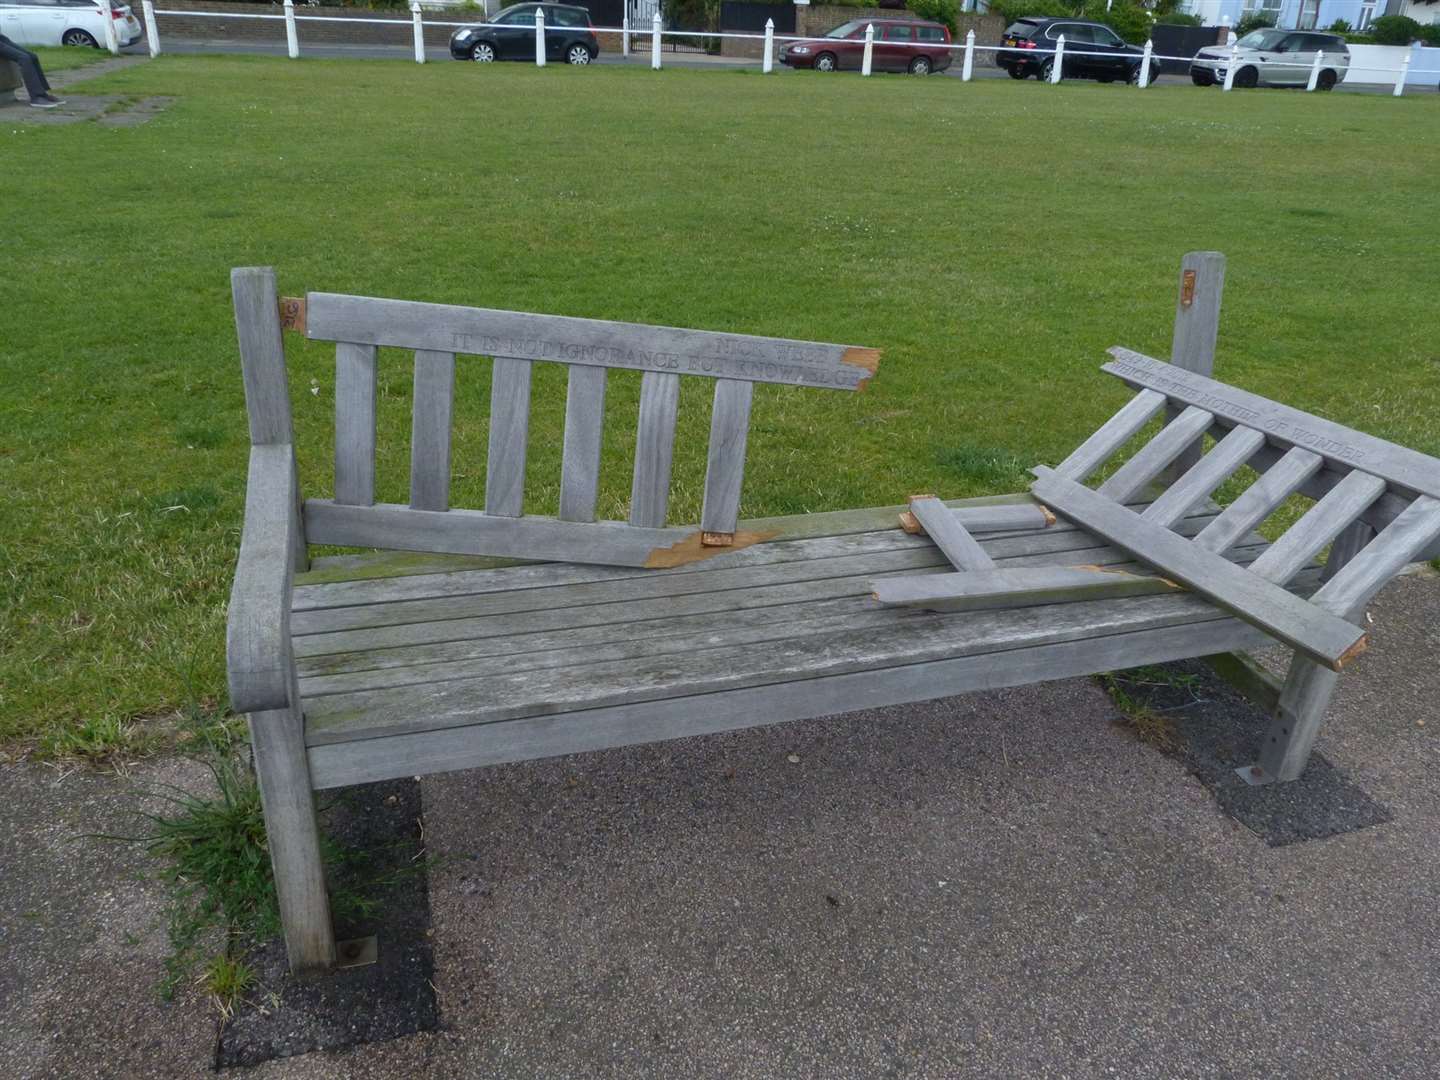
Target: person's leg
x,y
29,64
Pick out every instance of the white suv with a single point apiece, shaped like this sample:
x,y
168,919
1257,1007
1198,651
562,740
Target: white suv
x,y
1273,57
67,22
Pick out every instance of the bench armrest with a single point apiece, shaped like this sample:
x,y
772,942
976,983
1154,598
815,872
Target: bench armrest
x,y
258,655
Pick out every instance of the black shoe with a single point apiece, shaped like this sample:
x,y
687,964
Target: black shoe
x,y
45,101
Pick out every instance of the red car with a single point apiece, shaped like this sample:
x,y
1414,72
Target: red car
x,y
899,45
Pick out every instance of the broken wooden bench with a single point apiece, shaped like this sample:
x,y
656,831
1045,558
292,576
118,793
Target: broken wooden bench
x,y
365,667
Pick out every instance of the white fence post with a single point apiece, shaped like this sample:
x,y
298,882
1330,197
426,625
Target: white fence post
x,y
1230,37
292,42
655,42
419,32
1144,80
1059,62
112,39
968,68
1404,71
539,37
1230,67
768,64
152,33
625,35
869,48
1315,71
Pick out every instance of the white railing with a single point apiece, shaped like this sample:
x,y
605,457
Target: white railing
x,y
1402,75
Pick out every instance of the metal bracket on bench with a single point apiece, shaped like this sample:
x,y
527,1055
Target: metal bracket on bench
x,y
1255,776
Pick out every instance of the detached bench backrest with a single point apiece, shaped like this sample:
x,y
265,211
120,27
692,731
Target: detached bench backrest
x,y
1361,484
437,333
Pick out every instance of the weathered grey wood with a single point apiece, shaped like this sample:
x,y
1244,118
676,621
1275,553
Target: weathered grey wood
x,y
1298,716
488,332
1367,572
353,762
1400,465
1347,545
725,461
262,354
1323,522
907,641
430,430
1259,500
951,537
1299,624
1200,480
1111,435
584,428
654,449
532,588
458,638
292,838
469,532
974,590
1151,459
1197,325
258,657
509,436
355,389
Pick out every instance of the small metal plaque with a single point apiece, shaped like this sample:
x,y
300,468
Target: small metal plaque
x,y
356,952
292,313
1187,288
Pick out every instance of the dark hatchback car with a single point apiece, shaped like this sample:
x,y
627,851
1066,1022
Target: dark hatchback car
x,y
899,45
1029,49
510,35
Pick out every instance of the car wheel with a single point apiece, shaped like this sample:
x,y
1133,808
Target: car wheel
x,y
79,38
825,62
1046,68
483,52
1016,72
577,54
1247,78
1134,75
920,65
1201,80
1327,80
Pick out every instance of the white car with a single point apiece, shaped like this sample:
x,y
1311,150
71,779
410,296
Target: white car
x,y
67,22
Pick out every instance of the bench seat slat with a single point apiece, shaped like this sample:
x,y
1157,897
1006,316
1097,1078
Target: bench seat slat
x,y
907,641
949,535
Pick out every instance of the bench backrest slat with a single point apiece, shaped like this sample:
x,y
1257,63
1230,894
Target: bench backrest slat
x,y
725,463
1398,544
1321,524
262,355
654,449
1259,500
1200,480
509,436
430,430
1152,459
355,388
1110,436
584,431
524,336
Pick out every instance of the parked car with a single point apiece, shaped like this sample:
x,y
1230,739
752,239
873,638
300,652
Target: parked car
x,y
1098,52
899,45
1273,57
67,22
510,35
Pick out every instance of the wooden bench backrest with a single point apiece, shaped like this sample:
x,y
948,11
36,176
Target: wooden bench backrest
x,y
1377,503
588,347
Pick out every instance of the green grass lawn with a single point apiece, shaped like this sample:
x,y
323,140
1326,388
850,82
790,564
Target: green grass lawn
x,y
993,238
52,60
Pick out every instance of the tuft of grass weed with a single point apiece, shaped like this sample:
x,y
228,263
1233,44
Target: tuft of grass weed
x,y
1147,725
226,980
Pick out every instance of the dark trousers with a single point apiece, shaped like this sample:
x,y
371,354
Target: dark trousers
x,y
29,64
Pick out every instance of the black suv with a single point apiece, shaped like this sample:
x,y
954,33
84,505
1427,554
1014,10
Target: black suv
x,y
510,35
1029,49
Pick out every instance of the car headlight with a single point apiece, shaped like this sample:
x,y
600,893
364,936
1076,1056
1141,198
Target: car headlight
x,y
461,35
800,50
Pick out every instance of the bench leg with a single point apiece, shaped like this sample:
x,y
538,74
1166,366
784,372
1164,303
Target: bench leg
x,y
293,836
1297,720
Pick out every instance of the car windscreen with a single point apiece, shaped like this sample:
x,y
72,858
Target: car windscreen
x,y
1261,39
846,29
1021,29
